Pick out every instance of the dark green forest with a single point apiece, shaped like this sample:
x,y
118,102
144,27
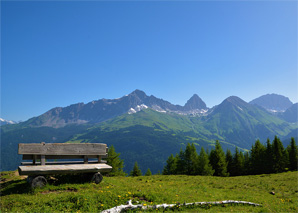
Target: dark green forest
x,y
262,158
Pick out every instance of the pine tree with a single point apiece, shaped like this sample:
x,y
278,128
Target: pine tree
x,y
180,159
148,172
279,161
229,160
247,164
218,161
171,166
204,167
257,158
190,159
268,158
238,163
115,162
286,159
293,156
136,171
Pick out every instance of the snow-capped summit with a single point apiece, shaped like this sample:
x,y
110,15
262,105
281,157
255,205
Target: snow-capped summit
x,y
5,122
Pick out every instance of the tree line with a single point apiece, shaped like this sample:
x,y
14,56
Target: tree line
x,y
261,159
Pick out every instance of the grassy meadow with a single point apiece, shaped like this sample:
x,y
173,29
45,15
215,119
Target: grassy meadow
x,y
72,194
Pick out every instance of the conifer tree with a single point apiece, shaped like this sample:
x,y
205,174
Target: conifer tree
x,y
238,163
190,160
279,161
171,166
218,161
257,158
148,172
286,160
229,159
180,168
247,164
293,156
268,163
136,171
115,162
204,166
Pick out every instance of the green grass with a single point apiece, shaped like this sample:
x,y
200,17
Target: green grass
x,y
74,196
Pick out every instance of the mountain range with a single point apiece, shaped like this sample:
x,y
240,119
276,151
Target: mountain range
x,y
147,129
105,109
5,122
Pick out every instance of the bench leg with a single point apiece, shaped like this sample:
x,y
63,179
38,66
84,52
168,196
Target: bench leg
x,y
29,179
97,178
37,181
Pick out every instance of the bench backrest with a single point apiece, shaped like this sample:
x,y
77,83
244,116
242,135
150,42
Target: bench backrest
x,y
34,151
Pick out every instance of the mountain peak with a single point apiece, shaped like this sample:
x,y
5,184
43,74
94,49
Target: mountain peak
x,y
195,102
273,102
234,100
139,93
5,122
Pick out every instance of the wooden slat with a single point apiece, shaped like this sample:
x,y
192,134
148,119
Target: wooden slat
x,y
43,160
62,149
85,159
63,169
62,162
30,157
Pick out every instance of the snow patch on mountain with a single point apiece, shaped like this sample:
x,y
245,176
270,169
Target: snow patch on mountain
x,y
137,109
240,108
5,122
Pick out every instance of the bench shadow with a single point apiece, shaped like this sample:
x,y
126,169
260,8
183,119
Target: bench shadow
x,y
23,187
15,187
69,179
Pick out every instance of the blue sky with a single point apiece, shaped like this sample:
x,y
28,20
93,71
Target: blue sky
x,y
58,53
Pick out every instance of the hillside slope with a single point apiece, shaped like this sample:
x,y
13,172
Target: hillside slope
x,y
149,136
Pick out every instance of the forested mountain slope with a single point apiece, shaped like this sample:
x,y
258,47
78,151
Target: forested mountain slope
x,y
149,134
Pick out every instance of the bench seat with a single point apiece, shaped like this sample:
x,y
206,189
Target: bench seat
x,y
63,169
62,162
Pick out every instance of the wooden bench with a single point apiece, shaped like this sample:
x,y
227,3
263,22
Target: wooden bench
x,y
43,160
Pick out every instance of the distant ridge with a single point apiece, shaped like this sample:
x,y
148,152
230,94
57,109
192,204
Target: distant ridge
x,y
6,122
291,114
105,109
273,102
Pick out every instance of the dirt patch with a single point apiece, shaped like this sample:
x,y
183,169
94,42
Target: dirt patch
x,y
141,198
16,173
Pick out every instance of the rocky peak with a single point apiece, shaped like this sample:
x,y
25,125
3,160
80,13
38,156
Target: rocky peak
x,y
139,93
195,102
